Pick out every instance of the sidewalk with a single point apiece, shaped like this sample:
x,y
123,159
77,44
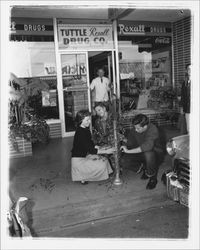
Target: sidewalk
x,y
57,203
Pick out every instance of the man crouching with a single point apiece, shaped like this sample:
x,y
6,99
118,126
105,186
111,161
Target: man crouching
x,y
143,150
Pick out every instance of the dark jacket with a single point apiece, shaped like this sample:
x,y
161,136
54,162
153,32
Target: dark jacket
x,y
83,144
148,140
185,96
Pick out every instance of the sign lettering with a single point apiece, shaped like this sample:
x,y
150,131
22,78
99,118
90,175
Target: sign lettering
x,y
157,29
137,28
85,36
74,69
162,40
29,29
129,30
34,27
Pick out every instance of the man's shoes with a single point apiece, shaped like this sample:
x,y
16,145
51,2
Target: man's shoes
x,y
144,176
152,183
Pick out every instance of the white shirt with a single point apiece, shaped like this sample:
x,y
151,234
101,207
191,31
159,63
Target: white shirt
x,y
101,89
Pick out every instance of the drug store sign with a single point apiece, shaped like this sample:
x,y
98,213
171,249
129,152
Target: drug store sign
x,y
85,36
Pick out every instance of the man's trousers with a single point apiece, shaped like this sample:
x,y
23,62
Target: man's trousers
x,y
150,159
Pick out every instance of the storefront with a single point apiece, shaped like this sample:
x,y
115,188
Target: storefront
x,y
146,72
65,55
145,53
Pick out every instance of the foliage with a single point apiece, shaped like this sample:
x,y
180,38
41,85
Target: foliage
x,y
163,93
105,136
23,123
36,130
162,97
35,102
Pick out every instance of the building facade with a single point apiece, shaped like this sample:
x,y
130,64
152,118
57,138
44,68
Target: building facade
x,y
65,53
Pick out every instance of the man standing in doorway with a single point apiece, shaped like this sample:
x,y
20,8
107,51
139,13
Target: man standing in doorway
x,y
101,86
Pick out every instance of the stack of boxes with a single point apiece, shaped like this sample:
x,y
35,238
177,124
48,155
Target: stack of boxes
x,y
24,148
80,101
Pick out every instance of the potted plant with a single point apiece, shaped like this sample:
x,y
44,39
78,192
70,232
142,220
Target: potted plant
x,y
25,127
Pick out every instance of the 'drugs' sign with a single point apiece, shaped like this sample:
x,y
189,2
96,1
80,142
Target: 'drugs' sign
x,y
85,36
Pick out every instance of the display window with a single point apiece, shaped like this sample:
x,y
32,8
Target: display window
x,y
145,65
34,63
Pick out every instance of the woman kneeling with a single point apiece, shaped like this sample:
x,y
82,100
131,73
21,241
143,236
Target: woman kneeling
x,y
87,164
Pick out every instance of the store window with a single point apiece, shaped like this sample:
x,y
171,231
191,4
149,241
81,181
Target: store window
x,y
145,66
34,63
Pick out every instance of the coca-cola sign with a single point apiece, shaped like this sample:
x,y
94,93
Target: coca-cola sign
x,y
162,40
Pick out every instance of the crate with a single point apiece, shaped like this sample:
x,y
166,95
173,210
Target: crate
x,y
24,148
55,128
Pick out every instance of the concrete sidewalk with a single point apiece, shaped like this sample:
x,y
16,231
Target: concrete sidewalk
x,y
57,203
163,222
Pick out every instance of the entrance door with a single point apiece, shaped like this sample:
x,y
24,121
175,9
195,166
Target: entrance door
x,y
102,59
75,87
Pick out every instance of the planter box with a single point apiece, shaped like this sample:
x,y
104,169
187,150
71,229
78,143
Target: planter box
x,y
25,149
55,128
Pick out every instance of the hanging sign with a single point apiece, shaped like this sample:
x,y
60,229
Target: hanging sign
x,y
85,36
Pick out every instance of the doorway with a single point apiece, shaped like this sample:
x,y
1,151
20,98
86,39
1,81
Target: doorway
x,y
103,60
75,88
78,69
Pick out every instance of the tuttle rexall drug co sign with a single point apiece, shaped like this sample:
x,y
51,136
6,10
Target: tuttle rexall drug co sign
x,y
85,36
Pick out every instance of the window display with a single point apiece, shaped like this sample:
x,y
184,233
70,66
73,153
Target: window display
x,y
145,58
34,62
142,72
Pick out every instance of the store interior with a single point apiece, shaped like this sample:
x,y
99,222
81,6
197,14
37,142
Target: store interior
x,y
144,67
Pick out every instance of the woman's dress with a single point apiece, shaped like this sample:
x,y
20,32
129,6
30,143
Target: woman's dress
x,y
86,164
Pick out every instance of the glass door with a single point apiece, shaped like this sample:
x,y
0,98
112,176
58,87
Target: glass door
x,y
75,87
